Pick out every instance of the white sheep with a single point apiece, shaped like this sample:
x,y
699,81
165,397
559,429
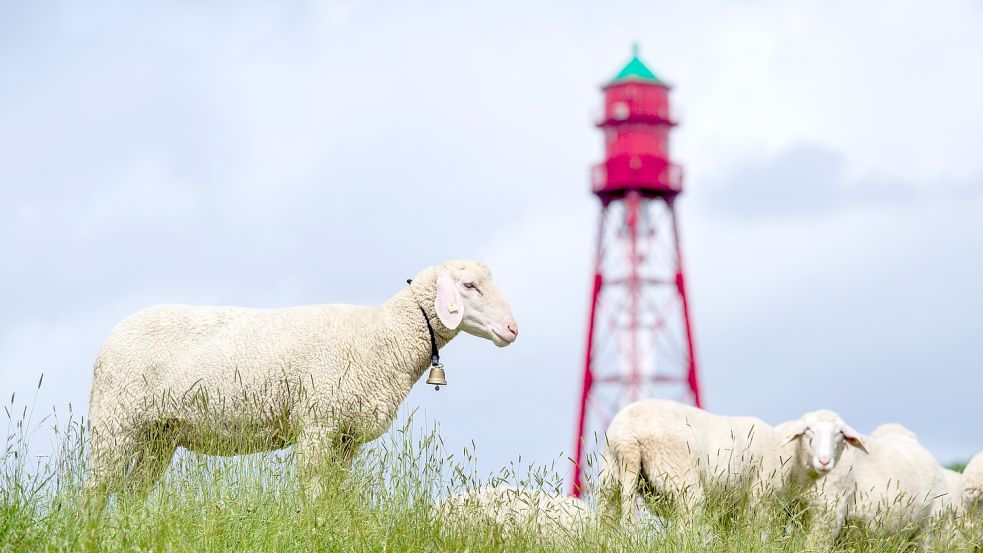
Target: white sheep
x,y
973,487
511,511
894,487
893,429
948,504
681,454
235,380
952,501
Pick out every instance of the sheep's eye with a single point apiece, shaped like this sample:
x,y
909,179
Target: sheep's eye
x,y
470,285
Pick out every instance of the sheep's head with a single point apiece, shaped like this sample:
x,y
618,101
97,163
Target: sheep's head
x,y
821,437
467,299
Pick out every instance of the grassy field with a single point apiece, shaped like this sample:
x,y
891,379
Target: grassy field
x,y
253,503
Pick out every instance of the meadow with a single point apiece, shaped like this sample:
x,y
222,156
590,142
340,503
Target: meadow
x,y
384,503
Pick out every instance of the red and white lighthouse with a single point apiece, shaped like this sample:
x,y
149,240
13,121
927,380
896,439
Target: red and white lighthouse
x,y
639,335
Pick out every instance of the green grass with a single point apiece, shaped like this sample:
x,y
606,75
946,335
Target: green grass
x,y
384,503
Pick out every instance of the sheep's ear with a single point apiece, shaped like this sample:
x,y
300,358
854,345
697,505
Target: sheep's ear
x,y
853,438
447,303
795,431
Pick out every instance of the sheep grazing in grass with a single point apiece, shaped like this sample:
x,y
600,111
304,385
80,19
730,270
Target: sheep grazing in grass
x,y
973,487
680,454
512,511
893,488
235,380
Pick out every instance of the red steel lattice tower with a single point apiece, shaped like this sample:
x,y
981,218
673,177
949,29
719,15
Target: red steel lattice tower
x,y
639,336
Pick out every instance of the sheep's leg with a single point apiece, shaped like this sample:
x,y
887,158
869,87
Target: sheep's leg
x,y
826,527
610,491
152,462
620,482
676,489
822,536
321,453
691,501
112,449
628,494
98,486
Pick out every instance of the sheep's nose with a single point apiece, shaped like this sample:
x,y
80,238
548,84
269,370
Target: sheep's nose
x,y
824,460
514,329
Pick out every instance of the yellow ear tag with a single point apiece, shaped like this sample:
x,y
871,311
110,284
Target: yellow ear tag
x,y
452,307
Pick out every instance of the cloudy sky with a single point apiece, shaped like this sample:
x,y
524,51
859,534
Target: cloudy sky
x,y
256,154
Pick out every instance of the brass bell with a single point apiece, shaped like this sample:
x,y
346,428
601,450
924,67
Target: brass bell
x,y
437,376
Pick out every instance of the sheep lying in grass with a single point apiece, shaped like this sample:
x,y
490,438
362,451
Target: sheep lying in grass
x,y
973,487
234,380
512,511
680,454
893,488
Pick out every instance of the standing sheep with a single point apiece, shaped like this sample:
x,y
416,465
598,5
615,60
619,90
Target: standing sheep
x,y
235,380
511,511
973,487
893,488
681,454
948,503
